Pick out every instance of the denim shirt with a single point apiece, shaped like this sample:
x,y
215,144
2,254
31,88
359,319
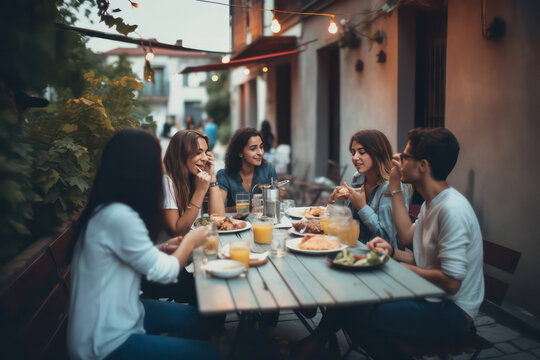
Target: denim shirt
x,y
232,183
376,216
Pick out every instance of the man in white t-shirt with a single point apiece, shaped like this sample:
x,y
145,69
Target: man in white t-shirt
x,y
446,242
447,251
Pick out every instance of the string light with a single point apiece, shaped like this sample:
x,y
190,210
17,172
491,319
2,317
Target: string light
x,y
226,59
275,27
149,55
246,71
265,69
215,78
332,28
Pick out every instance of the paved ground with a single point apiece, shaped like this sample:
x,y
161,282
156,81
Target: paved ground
x,y
509,344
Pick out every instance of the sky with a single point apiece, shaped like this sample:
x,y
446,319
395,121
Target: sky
x,y
199,25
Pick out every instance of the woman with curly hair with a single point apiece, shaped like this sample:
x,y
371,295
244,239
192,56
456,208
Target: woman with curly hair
x,y
245,167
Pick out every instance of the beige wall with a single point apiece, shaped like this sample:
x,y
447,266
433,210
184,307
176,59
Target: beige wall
x,y
368,98
493,107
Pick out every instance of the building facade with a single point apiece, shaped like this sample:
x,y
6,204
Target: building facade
x,y
470,66
173,96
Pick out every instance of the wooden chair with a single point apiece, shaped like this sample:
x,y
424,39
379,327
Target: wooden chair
x,y
495,256
34,303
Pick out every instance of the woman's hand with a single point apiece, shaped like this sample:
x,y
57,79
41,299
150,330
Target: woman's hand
x,y
197,237
210,166
380,245
202,181
357,197
170,245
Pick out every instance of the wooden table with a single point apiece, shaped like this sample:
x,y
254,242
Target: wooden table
x,y
297,281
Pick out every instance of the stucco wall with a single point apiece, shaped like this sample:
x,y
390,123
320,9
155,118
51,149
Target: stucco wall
x,y
493,107
368,99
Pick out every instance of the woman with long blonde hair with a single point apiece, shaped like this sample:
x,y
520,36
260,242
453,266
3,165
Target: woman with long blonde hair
x,y
369,196
190,175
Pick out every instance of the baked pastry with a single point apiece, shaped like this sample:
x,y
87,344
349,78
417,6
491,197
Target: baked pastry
x,y
318,242
308,226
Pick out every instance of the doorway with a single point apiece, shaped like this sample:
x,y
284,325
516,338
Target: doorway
x,y
328,108
283,103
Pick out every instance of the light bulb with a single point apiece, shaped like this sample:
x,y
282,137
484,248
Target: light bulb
x,y
332,28
265,69
215,78
149,55
275,27
246,71
226,59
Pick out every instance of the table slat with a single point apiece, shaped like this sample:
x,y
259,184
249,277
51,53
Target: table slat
x,y
410,280
344,287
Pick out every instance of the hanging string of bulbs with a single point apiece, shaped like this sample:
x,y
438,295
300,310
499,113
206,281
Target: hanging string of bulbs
x,y
275,25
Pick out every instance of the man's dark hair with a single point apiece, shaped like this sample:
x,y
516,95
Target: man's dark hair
x,y
438,146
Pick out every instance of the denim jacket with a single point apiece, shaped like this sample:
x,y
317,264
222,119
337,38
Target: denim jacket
x,y
232,183
376,216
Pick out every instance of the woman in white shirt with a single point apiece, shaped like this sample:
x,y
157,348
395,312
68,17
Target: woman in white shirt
x,y
190,175
113,250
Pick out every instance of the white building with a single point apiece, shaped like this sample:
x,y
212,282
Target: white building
x,y
173,95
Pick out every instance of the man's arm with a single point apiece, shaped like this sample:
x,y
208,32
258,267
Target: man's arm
x,y
402,221
437,277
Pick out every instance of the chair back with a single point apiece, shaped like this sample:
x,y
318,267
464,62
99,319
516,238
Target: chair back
x,y
501,263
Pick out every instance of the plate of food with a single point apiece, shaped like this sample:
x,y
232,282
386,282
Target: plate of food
x,y
357,260
225,224
311,212
225,269
306,227
315,244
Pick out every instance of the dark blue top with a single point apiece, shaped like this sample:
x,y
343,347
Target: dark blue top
x,y
232,183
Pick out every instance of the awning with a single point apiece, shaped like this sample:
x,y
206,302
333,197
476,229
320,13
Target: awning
x,y
261,50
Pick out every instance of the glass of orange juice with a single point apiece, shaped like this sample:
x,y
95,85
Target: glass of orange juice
x,y
212,244
262,229
325,220
239,251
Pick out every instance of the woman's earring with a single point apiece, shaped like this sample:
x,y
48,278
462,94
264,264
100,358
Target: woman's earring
x,y
241,155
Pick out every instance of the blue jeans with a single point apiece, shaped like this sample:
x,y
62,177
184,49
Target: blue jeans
x,y
370,325
182,322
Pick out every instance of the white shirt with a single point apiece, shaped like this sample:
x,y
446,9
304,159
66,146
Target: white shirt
x,y
169,199
448,237
107,266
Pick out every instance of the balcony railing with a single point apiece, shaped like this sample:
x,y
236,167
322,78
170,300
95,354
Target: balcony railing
x,y
159,89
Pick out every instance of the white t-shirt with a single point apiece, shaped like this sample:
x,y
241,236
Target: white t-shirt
x,y
107,266
448,237
169,199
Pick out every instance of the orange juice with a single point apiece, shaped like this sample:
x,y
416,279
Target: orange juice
x,y
346,232
240,253
262,233
324,223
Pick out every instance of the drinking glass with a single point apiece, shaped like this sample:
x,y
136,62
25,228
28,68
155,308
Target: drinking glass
x,y
278,243
239,250
257,204
286,204
212,243
262,229
242,203
325,220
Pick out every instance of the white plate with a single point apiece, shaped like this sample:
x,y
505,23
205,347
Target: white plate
x,y
224,253
297,212
247,227
225,269
293,246
293,231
